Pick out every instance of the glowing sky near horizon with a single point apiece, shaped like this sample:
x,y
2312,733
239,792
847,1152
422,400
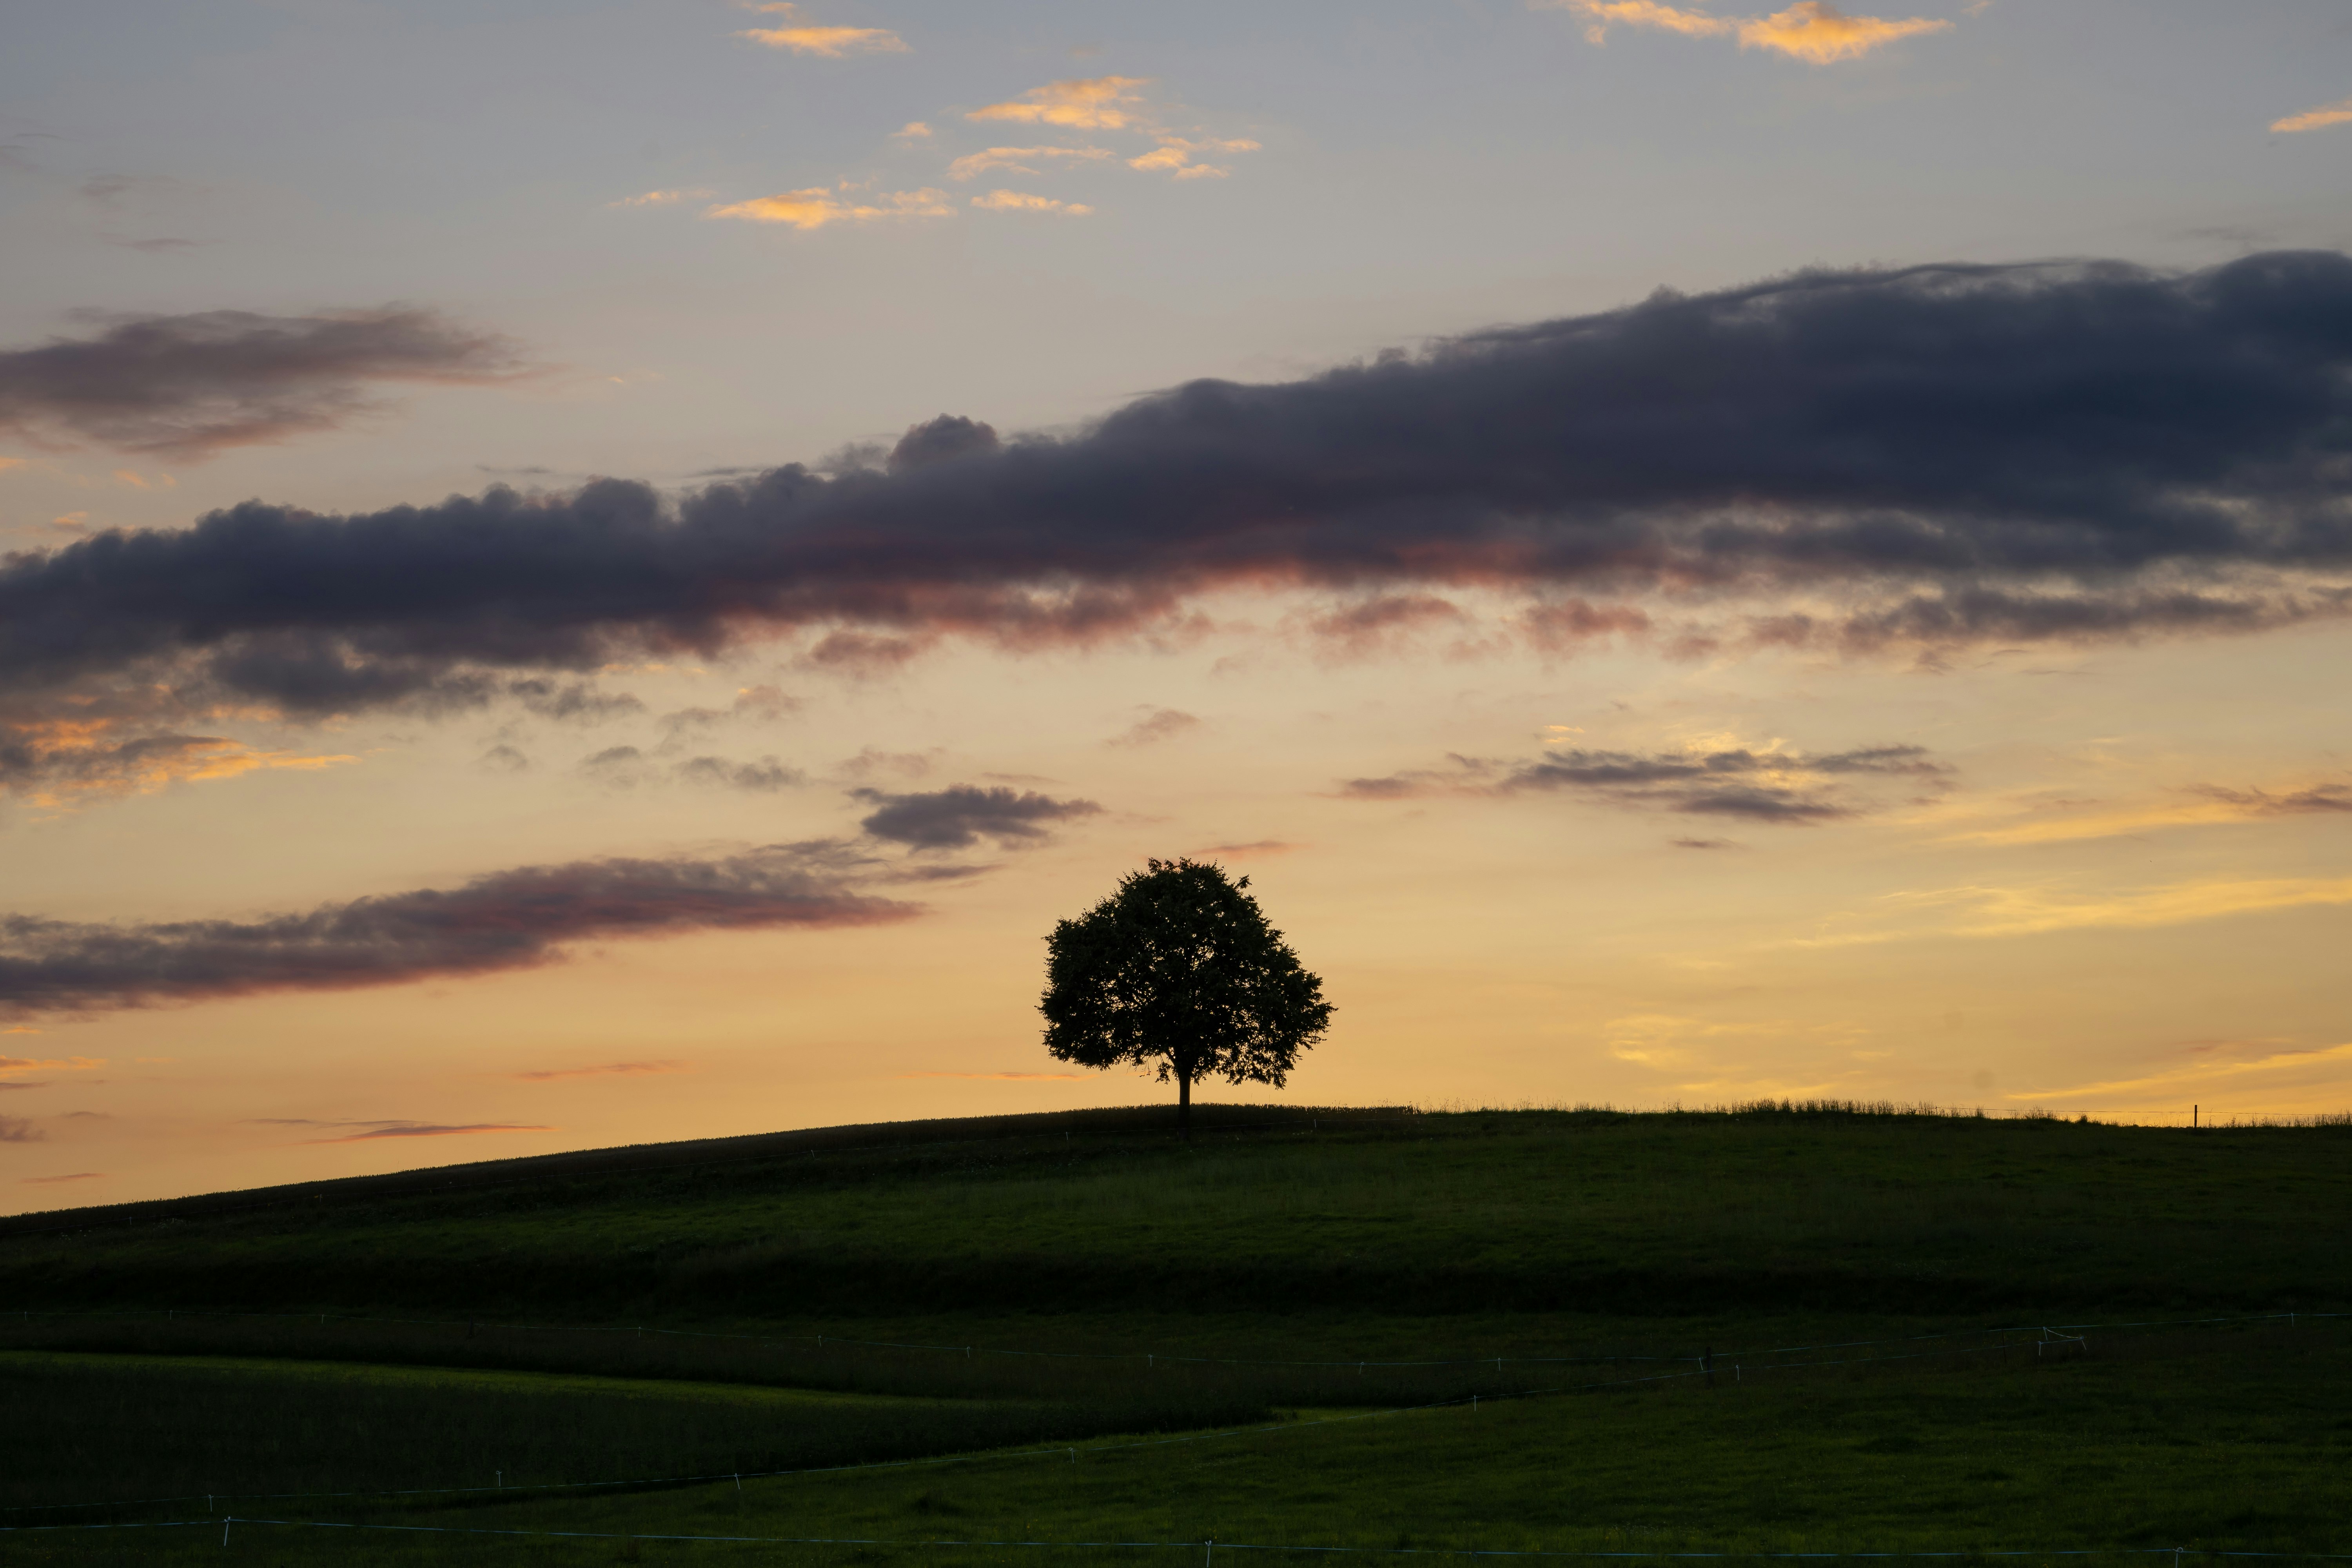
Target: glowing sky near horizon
x,y
1929,687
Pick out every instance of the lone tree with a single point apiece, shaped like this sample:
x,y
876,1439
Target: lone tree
x,y
1179,966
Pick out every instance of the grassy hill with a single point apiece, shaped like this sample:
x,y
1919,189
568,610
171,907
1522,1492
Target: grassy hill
x,y
1266,1212
939,1291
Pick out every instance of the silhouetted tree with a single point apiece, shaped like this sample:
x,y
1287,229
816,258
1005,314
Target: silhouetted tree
x,y
1179,966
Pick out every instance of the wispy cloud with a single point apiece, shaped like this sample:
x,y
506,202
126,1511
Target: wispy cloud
x,y
830,43
2317,119
2030,911
428,1130
1021,201
627,767
1011,159
1088,103
1175,154
1762,785
1160,724
609,1070
662,198
1810,30
817,207
52,1181
2195,805
11,1065
17,1130
1991,911
913,131
2216,1073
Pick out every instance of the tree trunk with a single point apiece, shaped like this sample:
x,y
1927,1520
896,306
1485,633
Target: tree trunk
x,y
1184,1101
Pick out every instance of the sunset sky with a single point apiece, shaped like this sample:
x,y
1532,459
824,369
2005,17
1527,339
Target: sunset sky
x,y
592,573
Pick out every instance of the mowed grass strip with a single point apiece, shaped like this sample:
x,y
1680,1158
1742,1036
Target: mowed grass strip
x,y
2239,1442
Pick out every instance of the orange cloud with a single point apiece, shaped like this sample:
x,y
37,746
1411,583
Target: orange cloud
x,y
2317,119
1815,31
2210,1074
1818,32
1010,159
816,207
2198,806
1175,154
830,43
1092,103
660,198
1020,202
1649,13
76,760
611,1069
11,1065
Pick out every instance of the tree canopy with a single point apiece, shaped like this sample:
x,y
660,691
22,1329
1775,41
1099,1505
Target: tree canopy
x,y
1178,966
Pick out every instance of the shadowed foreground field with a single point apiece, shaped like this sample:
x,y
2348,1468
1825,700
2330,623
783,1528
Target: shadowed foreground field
x,y
1635,1244
2241,1441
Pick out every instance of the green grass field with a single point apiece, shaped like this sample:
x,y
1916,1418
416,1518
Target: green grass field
x,y
481,1326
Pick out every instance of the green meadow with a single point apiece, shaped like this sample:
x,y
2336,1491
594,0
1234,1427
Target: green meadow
x,y
1788,1329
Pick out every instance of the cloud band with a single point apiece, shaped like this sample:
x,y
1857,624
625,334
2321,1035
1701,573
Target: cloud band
x,y
1938,454
508,919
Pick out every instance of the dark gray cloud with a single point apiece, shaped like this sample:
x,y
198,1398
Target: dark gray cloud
x,y
765,776
1782,787
17,1130
765,703
1941,453
626,767
623,767
948,436
575,699
2325,797
189,387
507,919
960,814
